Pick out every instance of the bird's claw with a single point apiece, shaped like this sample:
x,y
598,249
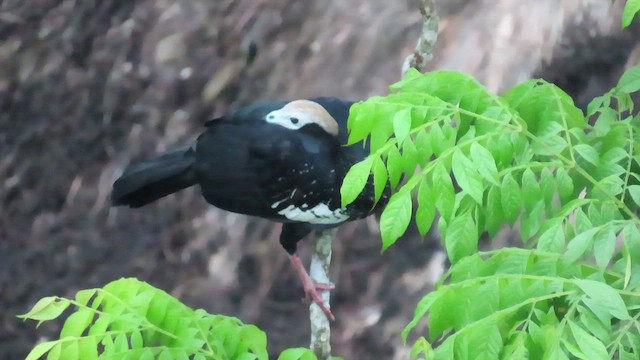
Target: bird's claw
x,y
311,288
311,294
324,287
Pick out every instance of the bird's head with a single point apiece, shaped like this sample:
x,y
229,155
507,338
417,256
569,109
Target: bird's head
x,y
299,113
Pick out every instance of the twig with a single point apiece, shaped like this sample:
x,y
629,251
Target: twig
x,y
319,272
321,256
427,42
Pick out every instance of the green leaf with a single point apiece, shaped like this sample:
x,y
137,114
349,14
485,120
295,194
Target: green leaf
x,y
394,166
461,238
355,181
484,163
297,354
583,223
77,322
510,198
530,188
587,152
630,80
614,155
421,309
483,342
603,300
590,346
579,245
380,178
99,326
166,355
443,188
612,185
565,183
158,310
423,147
437,140
255,340
596,104
590,321
360,122
47,308
39,350
573,349
136,340
494,217
449,130
624,102
121,343
83,296
88,348
516,349
55,352
466,176
426,211
402,124
624,355
571,206
547,185
502,150
631,247
634,339
634,191
410,157
395,218
631,8
422,347
604,246
552,240
532,221
382,128
445,350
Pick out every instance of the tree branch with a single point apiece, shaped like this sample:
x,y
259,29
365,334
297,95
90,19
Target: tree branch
x,y
319,272
321,256
427,42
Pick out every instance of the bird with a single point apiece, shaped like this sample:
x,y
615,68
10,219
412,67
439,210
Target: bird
x,y
283,161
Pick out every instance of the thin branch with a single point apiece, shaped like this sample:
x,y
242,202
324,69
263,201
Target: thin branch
x,y
321,256
427,42
319,272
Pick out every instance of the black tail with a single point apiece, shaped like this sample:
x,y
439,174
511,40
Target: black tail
x,y
150,180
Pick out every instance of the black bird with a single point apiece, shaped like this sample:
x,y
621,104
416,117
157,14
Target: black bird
x,y
283,161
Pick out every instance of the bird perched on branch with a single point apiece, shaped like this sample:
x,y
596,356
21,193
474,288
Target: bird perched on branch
x,y
283,161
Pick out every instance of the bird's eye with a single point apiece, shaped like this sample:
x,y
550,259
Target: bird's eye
x,y
294,120
271,117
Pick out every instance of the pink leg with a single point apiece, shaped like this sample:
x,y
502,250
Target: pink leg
x,y
310,287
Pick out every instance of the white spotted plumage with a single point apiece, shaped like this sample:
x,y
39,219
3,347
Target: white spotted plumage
x,y
319,214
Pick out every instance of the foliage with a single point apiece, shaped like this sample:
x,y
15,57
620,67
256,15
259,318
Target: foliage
x,y
631,8
568,181
130,319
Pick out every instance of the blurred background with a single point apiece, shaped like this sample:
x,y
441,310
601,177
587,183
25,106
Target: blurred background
x,y
88,86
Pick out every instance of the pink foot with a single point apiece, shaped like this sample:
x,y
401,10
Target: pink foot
x,y
311,288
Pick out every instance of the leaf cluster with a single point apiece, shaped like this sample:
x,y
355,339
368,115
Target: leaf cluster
x,y
472,162
130,319
531,158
